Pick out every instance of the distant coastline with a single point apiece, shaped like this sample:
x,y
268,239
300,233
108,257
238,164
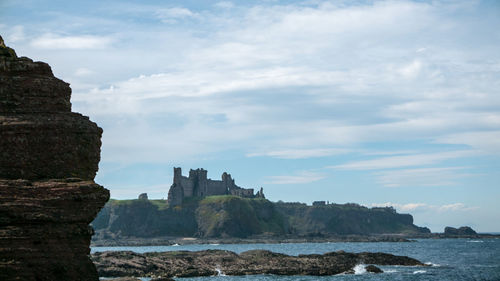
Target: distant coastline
x,y
170,241
228,219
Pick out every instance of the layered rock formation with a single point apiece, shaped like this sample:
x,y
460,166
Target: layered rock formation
x,y
48,160
215,262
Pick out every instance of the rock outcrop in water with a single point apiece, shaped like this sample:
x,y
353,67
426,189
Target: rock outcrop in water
x,y
48,160
216,262
461,231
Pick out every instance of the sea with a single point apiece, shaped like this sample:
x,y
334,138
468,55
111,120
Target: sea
x,y
449,259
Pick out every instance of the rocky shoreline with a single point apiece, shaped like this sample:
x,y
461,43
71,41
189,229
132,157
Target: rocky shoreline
x,y
166,241
254,262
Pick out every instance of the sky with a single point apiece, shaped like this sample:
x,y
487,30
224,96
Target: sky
x,y
381,103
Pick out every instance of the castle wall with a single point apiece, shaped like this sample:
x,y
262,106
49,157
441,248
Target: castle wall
x,y
216,188
242,192
198,185
188,186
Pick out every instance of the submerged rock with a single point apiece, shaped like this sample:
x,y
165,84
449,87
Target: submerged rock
x,y
48,159
216,262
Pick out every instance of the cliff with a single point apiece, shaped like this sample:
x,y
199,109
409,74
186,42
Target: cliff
x,y
232,216
49,158
345,219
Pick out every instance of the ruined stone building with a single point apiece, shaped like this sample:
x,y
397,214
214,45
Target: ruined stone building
x,y
197,185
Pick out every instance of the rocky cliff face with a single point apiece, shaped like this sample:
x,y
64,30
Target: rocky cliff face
x,y
235,217
48,159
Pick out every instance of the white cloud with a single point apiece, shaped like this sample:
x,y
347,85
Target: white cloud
x,y
293,81
486,141
412,70
301,177
424,207
300,153
404,160
82,71
172,15
51,41
224,5
456,207
441,176
15,34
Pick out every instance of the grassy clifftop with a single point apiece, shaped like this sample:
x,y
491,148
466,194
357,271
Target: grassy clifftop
x,y
232,216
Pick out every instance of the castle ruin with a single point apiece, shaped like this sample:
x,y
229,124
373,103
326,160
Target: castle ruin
x,y
197,185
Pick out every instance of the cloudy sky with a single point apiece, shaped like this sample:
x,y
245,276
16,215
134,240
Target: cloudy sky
x,y
374,102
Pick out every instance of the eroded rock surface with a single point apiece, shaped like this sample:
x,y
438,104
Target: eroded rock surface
x,y
214,262
39,135
48,159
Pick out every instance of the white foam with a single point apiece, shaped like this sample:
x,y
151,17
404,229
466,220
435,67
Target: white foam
x,y
432,264
214,244
391,271
419,271
359,269
475,241
175,245
219,272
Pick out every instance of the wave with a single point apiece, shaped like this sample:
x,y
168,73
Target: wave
x,y
432,264
419,271
219,272
359,269
475,241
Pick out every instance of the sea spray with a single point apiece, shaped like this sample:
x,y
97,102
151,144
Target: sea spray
x,y
219,272
359,269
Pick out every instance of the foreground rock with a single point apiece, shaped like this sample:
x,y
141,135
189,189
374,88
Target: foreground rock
x,y
214,262
48,159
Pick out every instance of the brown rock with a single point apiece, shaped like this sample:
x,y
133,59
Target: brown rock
x,y
40,137
48,159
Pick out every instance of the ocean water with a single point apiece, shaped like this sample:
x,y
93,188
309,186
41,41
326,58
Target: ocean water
x,y
451,259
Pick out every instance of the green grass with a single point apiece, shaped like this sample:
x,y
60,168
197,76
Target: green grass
x,y
158,203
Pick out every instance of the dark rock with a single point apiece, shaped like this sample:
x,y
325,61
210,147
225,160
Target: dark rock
x,y
40,138
373,269
162,279
462,231
213,262
143,196
48,160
